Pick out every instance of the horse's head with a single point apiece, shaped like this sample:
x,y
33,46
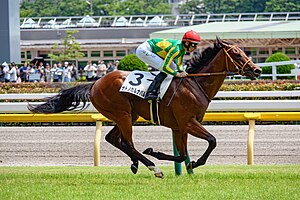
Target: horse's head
x,y
238,62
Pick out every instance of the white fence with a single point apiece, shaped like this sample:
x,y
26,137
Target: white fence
x,y
274,65
152,20
216,105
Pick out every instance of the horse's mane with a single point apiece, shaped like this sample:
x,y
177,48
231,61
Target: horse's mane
x,y
200,60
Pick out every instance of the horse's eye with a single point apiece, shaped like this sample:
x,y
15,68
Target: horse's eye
x,y
239,57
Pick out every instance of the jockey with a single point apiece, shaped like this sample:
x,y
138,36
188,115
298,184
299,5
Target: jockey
x,y
166,55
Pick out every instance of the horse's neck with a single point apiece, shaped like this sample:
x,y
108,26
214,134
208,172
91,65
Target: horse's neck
x,y
212,84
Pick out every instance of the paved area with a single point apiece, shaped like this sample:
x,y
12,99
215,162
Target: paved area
x,y
73,146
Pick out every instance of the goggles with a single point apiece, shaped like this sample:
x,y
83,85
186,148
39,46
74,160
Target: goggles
x,y
193,44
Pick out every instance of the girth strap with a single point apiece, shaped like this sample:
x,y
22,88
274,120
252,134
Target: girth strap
x,y
154,112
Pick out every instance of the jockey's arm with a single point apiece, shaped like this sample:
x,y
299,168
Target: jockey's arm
x,y
174,55
171,56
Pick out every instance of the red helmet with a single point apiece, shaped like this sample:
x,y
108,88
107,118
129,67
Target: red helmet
x,y
191,36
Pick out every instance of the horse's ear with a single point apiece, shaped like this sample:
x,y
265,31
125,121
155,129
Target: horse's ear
x,y
219,41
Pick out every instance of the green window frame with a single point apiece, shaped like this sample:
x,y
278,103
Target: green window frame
x,y
121,53
108,53
95,53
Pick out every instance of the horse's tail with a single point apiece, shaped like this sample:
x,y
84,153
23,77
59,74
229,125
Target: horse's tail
x,y
65,100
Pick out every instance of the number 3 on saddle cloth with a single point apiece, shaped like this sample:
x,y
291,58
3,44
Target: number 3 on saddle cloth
x,y
137,83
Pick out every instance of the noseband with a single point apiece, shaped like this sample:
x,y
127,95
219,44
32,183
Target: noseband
x,y
238,66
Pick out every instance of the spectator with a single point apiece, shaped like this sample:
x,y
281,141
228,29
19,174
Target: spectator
x,y
13,73
90,71
74,72
41,71
59,72
33,74
116,64
110,67
101,69
24,72
67,72
56,72
1,74
48,74
6,70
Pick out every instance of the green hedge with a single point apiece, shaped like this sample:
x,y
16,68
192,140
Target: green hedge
x,y
132,62
283,69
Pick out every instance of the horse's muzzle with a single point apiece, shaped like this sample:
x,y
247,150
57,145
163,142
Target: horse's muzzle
x,y
253,73
257,72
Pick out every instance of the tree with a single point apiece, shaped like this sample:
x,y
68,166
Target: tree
x,y
223,6
251,6
69,48
42,8
192,6
282,6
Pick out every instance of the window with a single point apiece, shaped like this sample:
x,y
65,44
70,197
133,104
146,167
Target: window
x,y
23,55
108,53
253,51
261,60
28,54
277,50
95,54
85,54
121,53
290,51
264,51
43,54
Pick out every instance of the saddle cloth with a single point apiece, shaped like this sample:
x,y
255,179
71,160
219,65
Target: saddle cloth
x,y
137,83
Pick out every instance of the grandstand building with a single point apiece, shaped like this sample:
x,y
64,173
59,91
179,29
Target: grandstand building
x,y
110,38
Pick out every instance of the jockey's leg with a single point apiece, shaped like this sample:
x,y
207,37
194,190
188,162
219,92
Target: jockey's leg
x,y
153,90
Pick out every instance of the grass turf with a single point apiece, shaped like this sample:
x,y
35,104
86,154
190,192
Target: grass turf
x,y
208,182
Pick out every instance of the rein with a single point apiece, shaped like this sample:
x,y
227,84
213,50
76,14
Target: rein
x,y
212,74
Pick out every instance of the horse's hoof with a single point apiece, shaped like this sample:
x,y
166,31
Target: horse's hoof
x,y
159,175
157,172
190,165
148,151
134,168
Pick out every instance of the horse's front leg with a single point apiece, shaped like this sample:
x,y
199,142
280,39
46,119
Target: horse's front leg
x,y
181,144
197,130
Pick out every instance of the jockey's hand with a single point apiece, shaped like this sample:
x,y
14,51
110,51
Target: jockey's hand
x,y
182,74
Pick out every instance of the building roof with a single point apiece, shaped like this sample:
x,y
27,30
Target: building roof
x,y
237,30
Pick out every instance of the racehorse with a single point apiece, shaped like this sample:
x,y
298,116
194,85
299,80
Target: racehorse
x,y
182,108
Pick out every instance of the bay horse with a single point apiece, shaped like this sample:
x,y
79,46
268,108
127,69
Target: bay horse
x,y
182,108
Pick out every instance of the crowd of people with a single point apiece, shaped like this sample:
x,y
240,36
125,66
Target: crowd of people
x,y
58,72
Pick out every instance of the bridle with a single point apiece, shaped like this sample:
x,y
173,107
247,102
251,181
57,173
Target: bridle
x,y
238,66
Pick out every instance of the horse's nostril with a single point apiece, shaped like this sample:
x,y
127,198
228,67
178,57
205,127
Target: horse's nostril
x,y
257,70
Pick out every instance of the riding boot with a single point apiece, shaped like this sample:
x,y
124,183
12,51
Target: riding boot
x,y
153,90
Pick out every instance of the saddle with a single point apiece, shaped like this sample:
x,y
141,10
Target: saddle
x,y
138,82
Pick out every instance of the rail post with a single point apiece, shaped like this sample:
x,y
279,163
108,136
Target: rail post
x,y
178,168
97,143
251,141
251,117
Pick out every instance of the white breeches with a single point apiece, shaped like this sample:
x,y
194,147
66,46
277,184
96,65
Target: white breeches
x,y
145,54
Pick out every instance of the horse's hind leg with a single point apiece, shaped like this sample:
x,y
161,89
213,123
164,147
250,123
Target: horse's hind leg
x,y
125,125
114,138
